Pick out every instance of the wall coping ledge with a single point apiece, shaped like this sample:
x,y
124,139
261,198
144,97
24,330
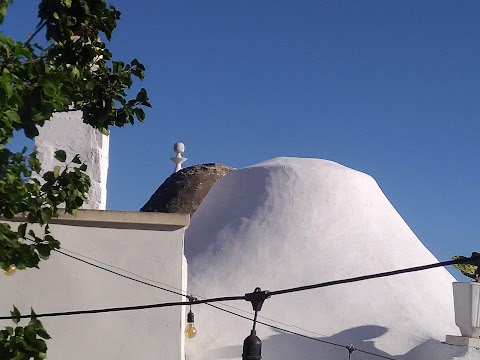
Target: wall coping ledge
x,y
119,219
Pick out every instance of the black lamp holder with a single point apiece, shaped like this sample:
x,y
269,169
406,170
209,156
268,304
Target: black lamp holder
x,y
252,345
257,298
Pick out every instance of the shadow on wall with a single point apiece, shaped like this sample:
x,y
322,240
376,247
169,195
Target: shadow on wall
x,y
288,346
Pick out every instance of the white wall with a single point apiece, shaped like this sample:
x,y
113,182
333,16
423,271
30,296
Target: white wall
x,y
66,131
149,244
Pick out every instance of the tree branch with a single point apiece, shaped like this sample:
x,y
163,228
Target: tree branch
x,y
39,28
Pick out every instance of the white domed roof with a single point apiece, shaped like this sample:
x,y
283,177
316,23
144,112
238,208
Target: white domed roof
x,y
288,222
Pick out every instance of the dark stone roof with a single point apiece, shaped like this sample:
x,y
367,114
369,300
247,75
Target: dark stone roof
x,y
183,191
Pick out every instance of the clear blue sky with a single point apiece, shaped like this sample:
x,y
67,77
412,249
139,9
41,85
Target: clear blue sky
x,y
390,88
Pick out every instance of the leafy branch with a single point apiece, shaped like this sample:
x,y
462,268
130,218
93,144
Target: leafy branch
x,y
23,343
75,70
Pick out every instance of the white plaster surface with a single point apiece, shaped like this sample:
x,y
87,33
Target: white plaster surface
x,y
64,284
288,222
66,131
471,354
467,308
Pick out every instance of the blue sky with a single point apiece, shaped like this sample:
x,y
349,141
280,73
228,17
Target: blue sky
x,y
390,88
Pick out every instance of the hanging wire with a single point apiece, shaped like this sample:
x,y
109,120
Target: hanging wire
x,y
242,297
278,292
327,283
127,308
255,320
301,335
193,298
376,276
177,290
119,274
180,291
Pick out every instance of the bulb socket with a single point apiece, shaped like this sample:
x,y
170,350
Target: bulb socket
x,y
252,347
190,317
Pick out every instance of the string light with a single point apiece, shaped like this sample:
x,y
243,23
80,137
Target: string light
x,y
244,297
211,305
256,298
252,345
11,270
178,292
190,330
349,347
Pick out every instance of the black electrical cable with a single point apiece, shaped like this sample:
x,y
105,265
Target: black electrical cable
x,y
376,276
214,306
231,298
242,297
298,334
162,288
275,327
390,273
178,291
119,274
221,309
129,308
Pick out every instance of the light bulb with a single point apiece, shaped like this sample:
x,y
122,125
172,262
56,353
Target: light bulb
x,y
190,331
11,270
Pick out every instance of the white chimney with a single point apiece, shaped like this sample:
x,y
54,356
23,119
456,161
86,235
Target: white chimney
x,y
67,131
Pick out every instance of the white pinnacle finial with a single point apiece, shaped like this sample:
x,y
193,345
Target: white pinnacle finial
x,y
178,148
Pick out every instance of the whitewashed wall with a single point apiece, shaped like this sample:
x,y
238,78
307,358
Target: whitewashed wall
x,y
67,131
149,244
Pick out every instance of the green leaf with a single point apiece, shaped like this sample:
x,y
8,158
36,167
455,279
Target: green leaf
x,y
43,251
15,315
56,171
22,228
67,3
20,356
60,155
76,159
90,85
49,89
13,116
6,80
140,114
43,333
75,72
142,96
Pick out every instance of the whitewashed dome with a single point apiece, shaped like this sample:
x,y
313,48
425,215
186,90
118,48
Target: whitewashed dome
x,y
288,222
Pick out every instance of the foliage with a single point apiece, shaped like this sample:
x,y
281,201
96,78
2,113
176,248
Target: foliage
x,y
471,270
23,343
40,201
73,70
